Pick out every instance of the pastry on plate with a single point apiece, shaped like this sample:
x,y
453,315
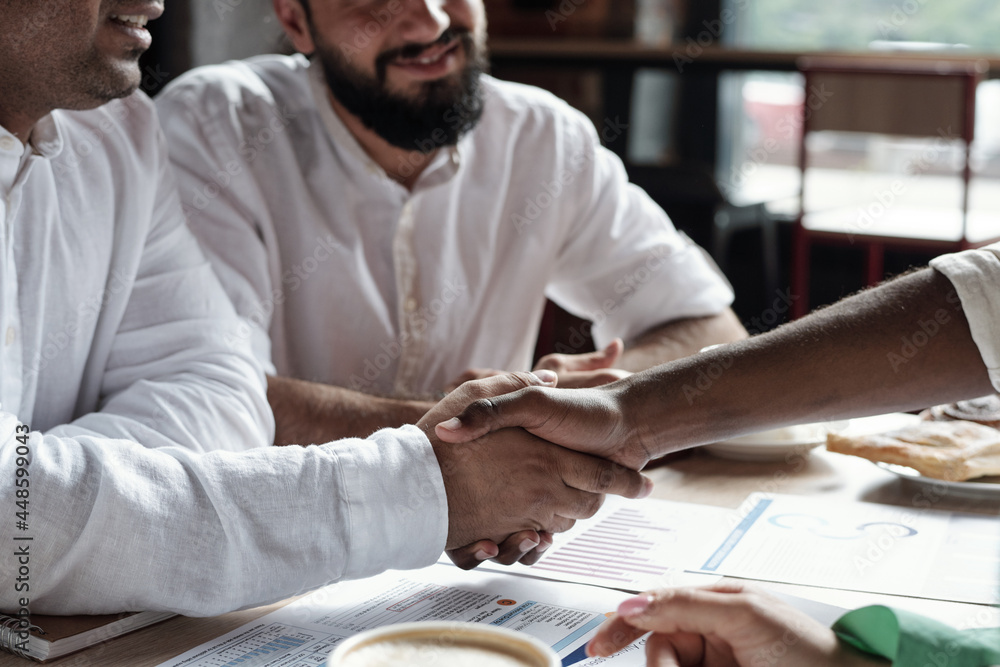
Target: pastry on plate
x,y
954,450
984,410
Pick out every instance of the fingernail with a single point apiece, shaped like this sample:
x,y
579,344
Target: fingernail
x,y
452,424
527,545
543,546
647,488
545,376
636,606
481,555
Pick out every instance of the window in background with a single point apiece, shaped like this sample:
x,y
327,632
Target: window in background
x,y
804,25
760,112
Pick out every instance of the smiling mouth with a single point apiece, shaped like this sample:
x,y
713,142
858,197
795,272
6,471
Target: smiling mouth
x,y
429,56
130,20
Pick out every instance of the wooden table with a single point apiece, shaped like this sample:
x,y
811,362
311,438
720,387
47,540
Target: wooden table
x,y
697,478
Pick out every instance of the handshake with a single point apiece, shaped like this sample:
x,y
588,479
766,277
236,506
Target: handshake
x,y
509,489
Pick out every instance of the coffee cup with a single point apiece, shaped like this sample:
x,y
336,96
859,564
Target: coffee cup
x,y
442,644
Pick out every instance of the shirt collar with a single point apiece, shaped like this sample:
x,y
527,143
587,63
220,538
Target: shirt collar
x,y
46,139
442,168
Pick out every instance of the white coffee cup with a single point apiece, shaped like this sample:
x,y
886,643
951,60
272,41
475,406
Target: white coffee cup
x,y
442,644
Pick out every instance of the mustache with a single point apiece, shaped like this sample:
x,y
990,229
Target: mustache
x,y
414,50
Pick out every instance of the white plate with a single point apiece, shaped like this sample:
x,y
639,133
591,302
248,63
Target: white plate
x,y
983,487
779,444
879,424
785,443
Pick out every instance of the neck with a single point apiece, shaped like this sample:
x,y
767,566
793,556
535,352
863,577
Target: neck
x,y
400,164
18,122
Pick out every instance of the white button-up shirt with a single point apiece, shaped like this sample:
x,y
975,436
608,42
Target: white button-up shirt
x,y
122,355
976,277
353,280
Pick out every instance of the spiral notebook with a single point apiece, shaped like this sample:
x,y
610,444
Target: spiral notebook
x,y
54,636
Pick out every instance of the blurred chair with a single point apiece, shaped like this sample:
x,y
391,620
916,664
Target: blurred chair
x,y
898,99
730,218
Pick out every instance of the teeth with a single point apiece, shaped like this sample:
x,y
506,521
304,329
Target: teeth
x,y
137,20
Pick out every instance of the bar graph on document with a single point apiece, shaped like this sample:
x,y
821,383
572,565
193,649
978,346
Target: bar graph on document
x,y
268,645
633,545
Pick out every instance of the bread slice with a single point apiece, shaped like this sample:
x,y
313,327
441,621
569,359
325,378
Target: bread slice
x,y
953,451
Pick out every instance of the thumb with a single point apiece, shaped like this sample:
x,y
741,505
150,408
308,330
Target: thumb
x,y
606,357
603,358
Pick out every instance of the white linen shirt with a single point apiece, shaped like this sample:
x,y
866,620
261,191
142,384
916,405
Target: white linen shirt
x,y
353,280
114,354
975,275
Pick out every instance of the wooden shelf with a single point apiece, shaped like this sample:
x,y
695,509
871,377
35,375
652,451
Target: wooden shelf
x,y
691,57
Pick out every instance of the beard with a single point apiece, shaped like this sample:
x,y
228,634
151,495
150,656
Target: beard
x,y
439,115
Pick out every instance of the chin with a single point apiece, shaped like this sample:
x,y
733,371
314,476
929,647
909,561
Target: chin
x,y
119,80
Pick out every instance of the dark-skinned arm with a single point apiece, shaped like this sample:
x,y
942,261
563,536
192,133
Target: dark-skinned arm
x,y
901,346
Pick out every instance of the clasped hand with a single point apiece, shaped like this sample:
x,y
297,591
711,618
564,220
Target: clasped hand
x,y
509,490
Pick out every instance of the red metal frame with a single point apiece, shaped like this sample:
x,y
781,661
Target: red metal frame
x,y
802,240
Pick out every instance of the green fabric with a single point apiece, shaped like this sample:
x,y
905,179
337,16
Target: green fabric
x,y
911,640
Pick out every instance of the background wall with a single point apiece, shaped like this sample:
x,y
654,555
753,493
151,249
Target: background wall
x,y
226,29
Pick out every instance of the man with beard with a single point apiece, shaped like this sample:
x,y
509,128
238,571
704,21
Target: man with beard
x,y
134,427
389,220
386,217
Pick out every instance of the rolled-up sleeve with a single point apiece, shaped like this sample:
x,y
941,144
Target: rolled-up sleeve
x,y
975,275
625,267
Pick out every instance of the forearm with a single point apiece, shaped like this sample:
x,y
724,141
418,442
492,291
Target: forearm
x,y
308,413
679,339
902,346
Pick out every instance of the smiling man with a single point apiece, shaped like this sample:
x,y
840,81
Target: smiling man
x,y
125,380
388,219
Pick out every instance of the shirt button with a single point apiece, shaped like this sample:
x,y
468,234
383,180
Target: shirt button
x,y
410,305
10,335
8,143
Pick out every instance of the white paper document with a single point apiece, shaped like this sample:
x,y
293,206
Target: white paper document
x,y
303,634
862,547
633,545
